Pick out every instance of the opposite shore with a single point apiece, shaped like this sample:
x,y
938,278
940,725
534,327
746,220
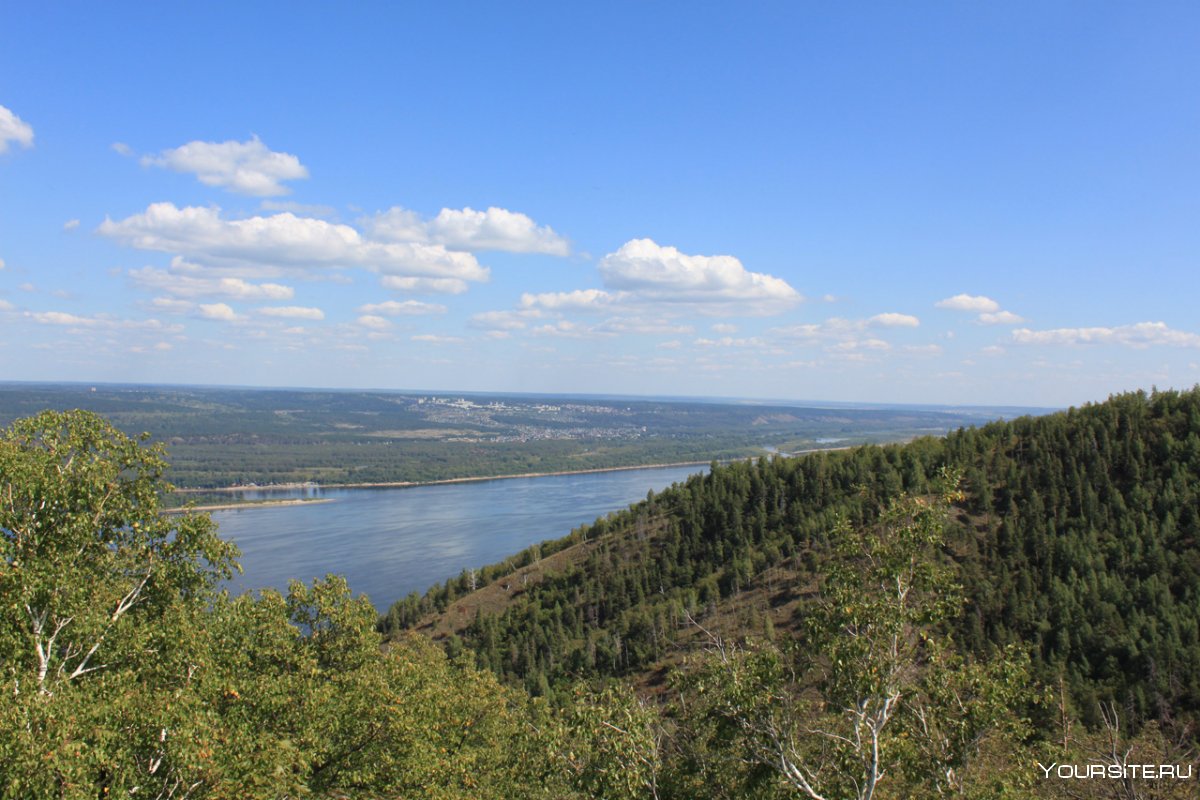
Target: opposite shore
x,y
269,487
401,484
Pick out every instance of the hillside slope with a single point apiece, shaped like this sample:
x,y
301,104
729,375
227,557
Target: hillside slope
x,y
1076,537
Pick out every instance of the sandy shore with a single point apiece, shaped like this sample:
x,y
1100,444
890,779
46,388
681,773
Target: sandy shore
x,y
472,479
251,504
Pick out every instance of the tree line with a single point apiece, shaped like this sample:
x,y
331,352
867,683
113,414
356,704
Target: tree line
x,y
914,659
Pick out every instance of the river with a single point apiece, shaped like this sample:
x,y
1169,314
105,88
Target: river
x,y
388,542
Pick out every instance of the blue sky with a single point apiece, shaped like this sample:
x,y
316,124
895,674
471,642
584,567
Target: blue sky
x,y
935,202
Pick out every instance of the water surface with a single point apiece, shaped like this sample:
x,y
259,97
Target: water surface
x,y
391,541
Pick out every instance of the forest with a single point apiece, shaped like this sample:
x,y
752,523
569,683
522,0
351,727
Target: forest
x,y
935,619
1075,536
218,437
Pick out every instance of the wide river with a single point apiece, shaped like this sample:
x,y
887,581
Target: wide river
x,y
392,541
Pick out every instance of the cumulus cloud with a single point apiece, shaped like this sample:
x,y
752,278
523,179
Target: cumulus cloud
x,y
965,302
1139,335
267,245
433,338
424,285
1000,318
374,322
850,337
187,285
70,225
121,149
855,345
893,320
292,312
6,306
664,274
171,305
567,329
468,229
724,327
14,129
729,341
579,300
248,167
643,326
1,263
103,322
832,328
503,320
988,309
393,308
217,311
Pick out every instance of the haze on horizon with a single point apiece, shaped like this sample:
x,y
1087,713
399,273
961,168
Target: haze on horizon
x,y
936,204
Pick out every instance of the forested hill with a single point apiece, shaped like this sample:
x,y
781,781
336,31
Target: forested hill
x,y
1076,535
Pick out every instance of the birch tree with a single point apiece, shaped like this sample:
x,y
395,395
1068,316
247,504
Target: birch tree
x,y
97,590
872,701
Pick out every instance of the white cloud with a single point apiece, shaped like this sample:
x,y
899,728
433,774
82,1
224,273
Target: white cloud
x,y
468,229
248,167
965,302
567,329
1,263
120,148
14,129
424,285
6,306
924,349
832,328
185,285
893,320
267,245
724,327
292,312
580,300
854,345
993,350
75,321
848,338
643,326
1139,335
652,272
70,225
374,322
217,311
172,306
503,320
433,338
392,308
729,341
1000,318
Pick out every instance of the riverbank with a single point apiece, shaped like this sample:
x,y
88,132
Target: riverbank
x,y
272,487
247,504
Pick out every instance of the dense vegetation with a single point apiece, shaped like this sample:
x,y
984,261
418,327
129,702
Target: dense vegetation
x,y
222,437
932,620
1076,538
